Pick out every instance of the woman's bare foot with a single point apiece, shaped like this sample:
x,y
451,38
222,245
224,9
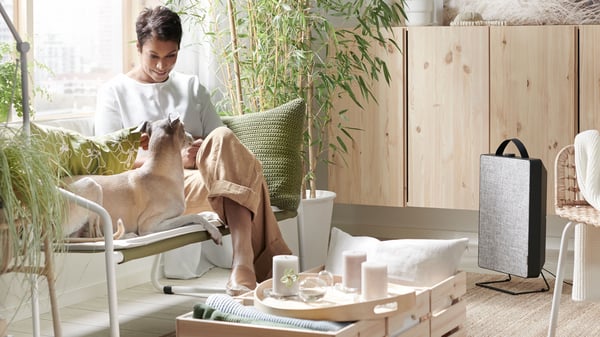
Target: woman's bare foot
x,y
239,220
241,281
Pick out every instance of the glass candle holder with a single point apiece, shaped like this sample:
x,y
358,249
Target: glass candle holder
x,y
312,289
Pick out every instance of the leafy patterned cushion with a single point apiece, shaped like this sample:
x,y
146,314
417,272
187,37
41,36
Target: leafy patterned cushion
x,y
109,154
275,137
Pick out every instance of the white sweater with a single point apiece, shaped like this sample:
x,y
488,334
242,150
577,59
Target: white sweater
x,y
124,102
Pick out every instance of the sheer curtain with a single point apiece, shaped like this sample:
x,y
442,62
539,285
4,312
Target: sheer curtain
x,y
196,55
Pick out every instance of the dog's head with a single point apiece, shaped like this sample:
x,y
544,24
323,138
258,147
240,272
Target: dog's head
x,y
158,132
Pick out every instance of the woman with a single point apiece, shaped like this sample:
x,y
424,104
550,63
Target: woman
x,y
221,174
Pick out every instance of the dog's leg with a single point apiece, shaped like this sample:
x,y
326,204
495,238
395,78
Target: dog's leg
x,y
79,216
119,234
189,219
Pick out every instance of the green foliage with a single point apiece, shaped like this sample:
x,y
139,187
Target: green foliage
x,y
273,51
10,82
31,208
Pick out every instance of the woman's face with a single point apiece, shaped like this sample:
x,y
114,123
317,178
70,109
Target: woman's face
x,y
157,59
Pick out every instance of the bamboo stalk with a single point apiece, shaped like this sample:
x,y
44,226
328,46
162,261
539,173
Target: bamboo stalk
x,y
236,59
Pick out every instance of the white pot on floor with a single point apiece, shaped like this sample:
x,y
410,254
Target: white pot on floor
x,y
314,226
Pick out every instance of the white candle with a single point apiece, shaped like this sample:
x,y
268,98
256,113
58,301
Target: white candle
x,y
285,268
351,268
374,280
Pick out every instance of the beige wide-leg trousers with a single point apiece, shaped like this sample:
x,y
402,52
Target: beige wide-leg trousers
x,y
227,169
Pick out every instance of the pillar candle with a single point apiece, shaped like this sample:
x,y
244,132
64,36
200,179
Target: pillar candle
x,y
374,280
285,266
351,268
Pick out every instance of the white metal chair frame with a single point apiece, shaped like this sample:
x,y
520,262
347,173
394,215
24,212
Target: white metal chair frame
x,y
569,204
112,258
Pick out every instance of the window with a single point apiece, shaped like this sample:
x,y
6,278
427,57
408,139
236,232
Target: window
x,y
76,46
81,44
5,35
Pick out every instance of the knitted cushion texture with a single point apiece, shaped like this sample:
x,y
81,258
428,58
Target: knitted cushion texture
x,y
275,138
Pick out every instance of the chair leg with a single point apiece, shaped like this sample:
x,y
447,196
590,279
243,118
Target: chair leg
x,y
560,275
35,306
167,289
51,278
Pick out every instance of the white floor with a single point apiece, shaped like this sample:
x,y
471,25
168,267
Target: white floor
x,y
143,311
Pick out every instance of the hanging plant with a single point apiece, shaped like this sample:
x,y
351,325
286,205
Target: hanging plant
x,y
32,208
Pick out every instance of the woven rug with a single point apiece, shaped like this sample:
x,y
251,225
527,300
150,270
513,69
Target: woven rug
x,y
493,313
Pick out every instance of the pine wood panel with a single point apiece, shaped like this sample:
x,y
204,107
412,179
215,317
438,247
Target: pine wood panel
x,y
533,91
448,115
372,173
589,78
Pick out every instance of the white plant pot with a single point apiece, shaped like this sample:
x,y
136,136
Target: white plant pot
x,y
419,18
424,12
419,5
314,226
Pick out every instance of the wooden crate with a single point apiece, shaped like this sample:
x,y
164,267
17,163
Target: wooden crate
x,y
439,311
187,326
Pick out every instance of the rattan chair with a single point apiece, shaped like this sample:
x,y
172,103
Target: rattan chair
x,y
570,205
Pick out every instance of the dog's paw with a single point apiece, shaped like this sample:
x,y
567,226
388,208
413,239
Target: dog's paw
x,y
214,233
211,217
209,220
211,224
129,235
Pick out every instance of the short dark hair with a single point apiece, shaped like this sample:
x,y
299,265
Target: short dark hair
x,y
159,22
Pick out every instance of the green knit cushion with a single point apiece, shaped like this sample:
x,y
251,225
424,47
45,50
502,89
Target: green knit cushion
x,y
275,138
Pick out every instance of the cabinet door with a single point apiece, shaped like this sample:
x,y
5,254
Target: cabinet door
x,y
589,78
372,172
448,115
533,91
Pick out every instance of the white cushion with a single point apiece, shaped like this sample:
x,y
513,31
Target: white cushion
x,y
412,262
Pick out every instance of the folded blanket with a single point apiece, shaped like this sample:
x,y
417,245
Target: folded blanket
x,y
203,311
228,305
587,165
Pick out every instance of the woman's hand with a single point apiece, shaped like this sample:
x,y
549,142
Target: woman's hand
x,y
188,154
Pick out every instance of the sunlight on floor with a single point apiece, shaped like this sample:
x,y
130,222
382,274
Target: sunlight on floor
x,y
143,311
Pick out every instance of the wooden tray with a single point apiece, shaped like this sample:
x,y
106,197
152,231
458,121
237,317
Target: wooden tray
x,y
336,305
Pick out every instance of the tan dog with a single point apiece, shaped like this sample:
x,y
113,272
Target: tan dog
x,y
144,200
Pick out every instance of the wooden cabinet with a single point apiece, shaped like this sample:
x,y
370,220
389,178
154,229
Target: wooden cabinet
x,y
533,91
468,89
589,78
448,115
372,173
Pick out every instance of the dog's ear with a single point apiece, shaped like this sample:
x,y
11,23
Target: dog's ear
x,y
173,120
143,127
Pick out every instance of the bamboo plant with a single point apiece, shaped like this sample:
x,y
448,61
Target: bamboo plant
x,y
270,52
